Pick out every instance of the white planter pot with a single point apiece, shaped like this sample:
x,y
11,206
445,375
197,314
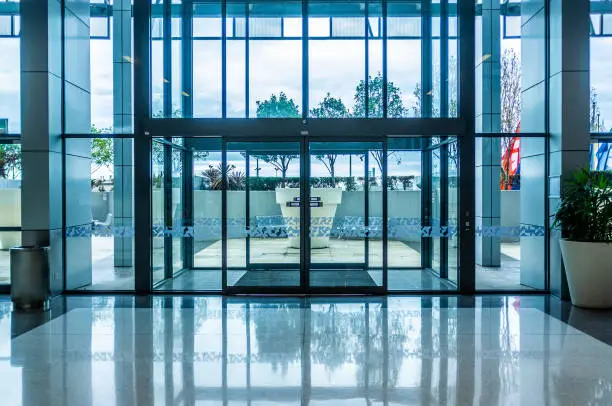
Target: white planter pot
x,y
589,272
321,218
10,216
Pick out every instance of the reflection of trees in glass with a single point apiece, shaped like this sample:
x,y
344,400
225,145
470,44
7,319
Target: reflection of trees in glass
x,y
278,332
416,108
336,337
339,337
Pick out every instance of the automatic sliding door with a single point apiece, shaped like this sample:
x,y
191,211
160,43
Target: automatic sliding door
x,y
263,203
168,238
346,212
422,213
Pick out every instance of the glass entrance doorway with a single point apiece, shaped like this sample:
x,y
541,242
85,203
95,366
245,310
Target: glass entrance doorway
x,y
263,195
305,215
346,214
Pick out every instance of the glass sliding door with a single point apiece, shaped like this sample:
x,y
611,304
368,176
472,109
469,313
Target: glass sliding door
x,y
197,242
405,183
168,234
422,213
263,203
345,214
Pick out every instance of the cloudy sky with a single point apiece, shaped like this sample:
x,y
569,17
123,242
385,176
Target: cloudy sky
x,y
335,67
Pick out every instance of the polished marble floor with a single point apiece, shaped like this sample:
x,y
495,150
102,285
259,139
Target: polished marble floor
x,y
164,350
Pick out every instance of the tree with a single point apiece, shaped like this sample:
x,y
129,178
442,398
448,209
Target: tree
x,y
279,162
213,176
102,153
10,161
510,91
395,106
330,107
435,94
595,124
277,107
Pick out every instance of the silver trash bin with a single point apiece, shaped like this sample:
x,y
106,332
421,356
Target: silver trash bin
x,y
30,286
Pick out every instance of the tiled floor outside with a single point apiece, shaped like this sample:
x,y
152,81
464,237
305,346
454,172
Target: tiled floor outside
x,y
105,276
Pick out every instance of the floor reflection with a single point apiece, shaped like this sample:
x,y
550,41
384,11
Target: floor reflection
x,y
231,351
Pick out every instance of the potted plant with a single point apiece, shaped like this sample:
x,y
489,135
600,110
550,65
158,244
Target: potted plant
x,y
585,220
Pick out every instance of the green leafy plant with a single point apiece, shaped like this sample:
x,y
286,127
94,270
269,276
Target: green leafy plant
x,y
585,211
10,161
213,178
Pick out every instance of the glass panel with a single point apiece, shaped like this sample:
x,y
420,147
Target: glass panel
x,y
403,208
207,209
192,225
600,66
375,59
10,204
178,221
346,214
98,92
10,74
99,214
337,60
8,239
453,211
510,58
421,181
158,212
436,209
275,64
404,59
263,220
157,67
207,63
510,220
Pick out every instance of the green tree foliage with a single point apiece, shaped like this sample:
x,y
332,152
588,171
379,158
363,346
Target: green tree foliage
x,y
330,107
395,106
278,107
10,161
213,178
101,153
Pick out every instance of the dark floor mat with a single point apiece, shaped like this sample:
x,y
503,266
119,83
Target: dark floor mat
x,y
319,278
270,278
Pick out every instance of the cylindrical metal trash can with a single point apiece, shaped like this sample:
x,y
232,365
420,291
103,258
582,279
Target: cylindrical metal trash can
x,y
30,287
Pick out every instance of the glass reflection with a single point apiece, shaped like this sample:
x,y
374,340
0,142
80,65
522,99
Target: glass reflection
x,y
323,351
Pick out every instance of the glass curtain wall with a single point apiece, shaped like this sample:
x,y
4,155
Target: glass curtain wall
x,y
250,59
297,64
511,157
10,128
99,146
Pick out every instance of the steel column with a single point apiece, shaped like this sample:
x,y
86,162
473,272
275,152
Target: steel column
x,y
466,146
142,147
